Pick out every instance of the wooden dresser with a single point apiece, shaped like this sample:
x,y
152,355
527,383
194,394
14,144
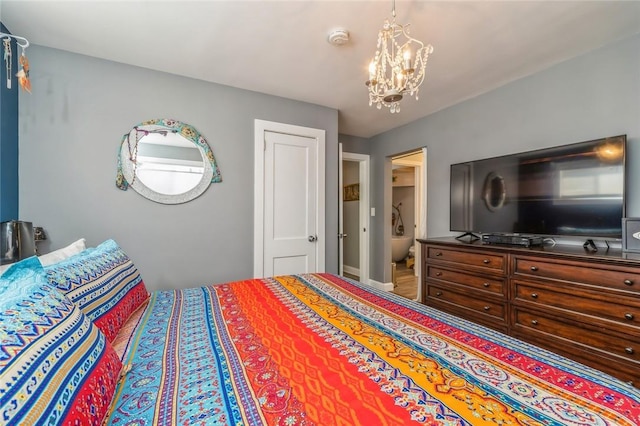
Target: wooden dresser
x,y
583,305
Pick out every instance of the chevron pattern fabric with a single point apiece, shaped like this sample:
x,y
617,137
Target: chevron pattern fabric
x,y
104,283
56,367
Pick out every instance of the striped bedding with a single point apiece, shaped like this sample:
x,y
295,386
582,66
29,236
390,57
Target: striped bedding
x,y
319,349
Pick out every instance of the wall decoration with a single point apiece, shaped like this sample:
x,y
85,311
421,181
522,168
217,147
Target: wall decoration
x,y
23,73
351,192
166,161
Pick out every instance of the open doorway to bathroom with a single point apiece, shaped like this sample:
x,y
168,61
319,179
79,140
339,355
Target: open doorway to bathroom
x,y
408,220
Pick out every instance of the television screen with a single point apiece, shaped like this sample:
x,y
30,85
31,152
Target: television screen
x,y
570,190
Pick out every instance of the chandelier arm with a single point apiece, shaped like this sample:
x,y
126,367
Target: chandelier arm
x,y
393,73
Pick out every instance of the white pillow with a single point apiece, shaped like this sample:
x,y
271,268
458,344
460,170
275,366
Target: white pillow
x,y
4,268
63,253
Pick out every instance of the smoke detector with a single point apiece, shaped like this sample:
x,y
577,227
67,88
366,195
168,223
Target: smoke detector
x,y
338,37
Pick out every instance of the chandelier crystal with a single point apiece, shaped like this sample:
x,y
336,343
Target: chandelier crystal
x,y
393,72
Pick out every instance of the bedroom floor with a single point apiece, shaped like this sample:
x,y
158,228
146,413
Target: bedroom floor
x,y
406,281
406,284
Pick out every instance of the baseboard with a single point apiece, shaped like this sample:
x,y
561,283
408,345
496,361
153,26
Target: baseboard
x,y
351,270
381,286
356,271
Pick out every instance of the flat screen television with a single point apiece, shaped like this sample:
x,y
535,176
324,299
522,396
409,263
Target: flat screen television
x,y
575,190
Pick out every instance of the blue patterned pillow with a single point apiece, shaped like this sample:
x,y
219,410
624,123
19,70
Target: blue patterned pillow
x,y
104,282
56,367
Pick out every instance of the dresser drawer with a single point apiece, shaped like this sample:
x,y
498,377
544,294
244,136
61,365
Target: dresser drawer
x,y
613,277
470,301
589,337
478,259
583,305
621,309
479,282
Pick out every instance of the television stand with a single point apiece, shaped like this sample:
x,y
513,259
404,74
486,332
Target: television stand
x,y
472,237
589,245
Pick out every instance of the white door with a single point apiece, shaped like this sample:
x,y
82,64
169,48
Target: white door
x,y
289,223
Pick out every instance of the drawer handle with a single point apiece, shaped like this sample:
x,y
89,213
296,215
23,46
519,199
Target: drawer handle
x,y
534,268
629,351
628,282
534,322
438,274
534,295
486,308
486,261
438,293
628,316
486,285
438,253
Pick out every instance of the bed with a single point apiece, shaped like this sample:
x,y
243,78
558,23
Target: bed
x,y
287,350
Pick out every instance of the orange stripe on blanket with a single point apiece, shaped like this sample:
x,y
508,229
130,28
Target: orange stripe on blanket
x,y
336,395
468,401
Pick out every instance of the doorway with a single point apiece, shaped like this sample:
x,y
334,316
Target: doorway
x,y
408,220
354,209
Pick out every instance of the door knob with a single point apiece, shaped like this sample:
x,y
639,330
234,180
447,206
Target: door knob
x,y
312,238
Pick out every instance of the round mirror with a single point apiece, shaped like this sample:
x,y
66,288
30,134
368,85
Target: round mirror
x,y
494,192
166,161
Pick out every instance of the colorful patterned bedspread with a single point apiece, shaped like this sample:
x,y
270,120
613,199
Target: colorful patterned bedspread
x,y
320,349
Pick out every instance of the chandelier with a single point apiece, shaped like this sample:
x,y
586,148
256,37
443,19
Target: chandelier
x,y
393,72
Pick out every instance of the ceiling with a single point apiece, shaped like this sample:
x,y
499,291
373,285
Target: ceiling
x,y
280,47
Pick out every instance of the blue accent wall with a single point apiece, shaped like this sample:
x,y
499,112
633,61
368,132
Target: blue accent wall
x,y
8,137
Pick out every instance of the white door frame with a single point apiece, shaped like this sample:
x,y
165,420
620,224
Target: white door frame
x,y
364,163
260,127
420,206
340,211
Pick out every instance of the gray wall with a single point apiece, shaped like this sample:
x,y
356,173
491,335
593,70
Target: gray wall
x,y
71,125
354,144
70,131
588,97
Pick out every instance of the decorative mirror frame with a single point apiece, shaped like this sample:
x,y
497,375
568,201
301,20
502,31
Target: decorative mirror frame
x,y
126,177
488,194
